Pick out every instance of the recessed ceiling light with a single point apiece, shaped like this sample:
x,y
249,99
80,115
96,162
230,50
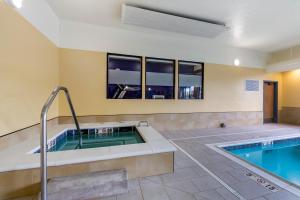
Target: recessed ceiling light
x,y
15,3
236,62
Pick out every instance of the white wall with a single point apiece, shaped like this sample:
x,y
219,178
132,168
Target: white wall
x,y
284,66
108,39
42,17
75,35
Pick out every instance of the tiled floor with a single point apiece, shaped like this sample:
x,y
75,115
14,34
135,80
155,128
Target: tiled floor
x,y
192,182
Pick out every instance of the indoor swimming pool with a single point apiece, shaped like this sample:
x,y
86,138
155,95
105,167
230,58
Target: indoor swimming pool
x,y
278,157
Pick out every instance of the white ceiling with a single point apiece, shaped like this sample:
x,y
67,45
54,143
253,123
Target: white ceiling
x,y
265,25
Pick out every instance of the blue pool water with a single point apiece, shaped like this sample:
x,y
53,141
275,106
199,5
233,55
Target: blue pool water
x,y
94,138
279,157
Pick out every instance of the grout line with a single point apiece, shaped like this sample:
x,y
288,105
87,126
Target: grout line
x,y
140,188
237,133
210,173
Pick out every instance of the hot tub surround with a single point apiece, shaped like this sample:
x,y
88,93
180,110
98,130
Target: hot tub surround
x,y
21,168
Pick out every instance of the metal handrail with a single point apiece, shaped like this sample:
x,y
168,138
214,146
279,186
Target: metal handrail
x,y
43,149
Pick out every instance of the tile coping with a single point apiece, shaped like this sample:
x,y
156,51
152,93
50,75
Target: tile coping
x,y
218,147
21,157
234,192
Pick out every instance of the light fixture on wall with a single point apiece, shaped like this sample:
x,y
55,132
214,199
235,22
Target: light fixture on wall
x,y
236,62
15,3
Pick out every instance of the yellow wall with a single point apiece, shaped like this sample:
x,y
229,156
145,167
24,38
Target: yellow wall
x,y
29,66
84,73
290,79
291,89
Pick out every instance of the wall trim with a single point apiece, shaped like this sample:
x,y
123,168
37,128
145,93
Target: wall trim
x,y
161,113
7,134
147,114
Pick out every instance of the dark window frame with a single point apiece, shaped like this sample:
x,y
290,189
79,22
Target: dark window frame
x,y
202,82
107,74
174,76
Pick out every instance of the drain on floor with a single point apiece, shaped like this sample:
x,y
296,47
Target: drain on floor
x,y
263,182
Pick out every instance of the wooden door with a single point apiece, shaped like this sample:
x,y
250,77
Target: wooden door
x,y
269,91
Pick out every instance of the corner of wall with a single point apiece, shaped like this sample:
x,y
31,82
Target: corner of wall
x,y
29,72
42,17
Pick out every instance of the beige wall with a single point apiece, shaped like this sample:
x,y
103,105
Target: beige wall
x,y
29,71
84,73
291,97
290,79
291,88
287,60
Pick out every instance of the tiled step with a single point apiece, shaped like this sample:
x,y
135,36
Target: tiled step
x,y
88,186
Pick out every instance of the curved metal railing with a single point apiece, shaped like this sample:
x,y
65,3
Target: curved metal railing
x,y
43,149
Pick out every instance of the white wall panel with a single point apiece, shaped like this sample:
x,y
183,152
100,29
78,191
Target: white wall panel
x,y
82,36
99,38
41,16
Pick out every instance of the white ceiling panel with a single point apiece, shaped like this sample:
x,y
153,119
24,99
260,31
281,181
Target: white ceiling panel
x,y
169,22
266,25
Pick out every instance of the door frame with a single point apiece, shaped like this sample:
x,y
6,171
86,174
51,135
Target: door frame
x,y
275,105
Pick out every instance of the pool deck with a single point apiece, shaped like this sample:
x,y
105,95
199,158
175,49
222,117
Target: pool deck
x,y
203,174
192,182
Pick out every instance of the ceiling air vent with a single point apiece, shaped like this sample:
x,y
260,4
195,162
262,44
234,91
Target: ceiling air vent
x,y
171,22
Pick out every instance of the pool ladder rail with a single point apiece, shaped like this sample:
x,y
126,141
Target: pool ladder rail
x,y
43,153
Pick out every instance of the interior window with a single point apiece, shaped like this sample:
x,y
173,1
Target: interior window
x,y
160,78
124,77
190,80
